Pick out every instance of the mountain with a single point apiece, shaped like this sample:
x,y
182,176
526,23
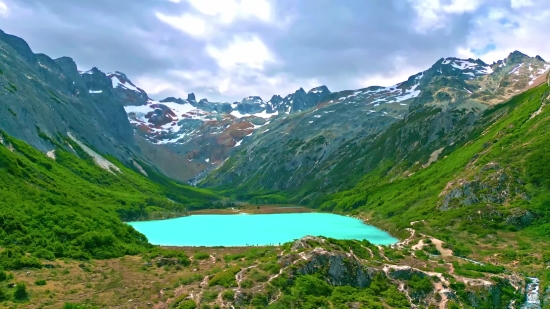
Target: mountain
x,y
53,97
70,167
410,120
206,133
453,162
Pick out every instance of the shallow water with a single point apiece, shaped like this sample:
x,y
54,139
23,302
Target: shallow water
x,y
261,229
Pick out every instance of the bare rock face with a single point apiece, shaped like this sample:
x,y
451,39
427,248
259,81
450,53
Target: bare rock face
x,y
520,218
39,92
492,184
340,269
337,267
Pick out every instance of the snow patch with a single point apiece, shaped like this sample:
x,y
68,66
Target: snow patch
x,y
516,69
119,83
99,160
51,154
409,94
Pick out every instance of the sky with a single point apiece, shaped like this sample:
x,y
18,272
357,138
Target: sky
x,y
229,49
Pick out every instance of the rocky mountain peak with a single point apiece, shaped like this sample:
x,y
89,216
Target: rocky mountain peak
x,y
539,58
191,97
172,99
456,67
321,89
69,68
300,91
275,99
516,57
19,45
252,100
68,63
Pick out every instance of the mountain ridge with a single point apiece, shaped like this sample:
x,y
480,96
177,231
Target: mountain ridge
x,y
453,161
453,91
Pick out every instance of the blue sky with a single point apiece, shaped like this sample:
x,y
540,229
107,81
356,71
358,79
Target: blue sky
x,y
229,49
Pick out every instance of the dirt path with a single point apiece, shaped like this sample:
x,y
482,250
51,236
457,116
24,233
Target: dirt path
x,y
381,250
419,246
439,245
442,292
405,242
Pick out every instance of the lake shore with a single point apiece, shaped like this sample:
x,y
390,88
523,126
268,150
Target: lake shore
x,y
251,209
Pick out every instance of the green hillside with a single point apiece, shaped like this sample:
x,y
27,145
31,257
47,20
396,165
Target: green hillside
x,y
70,207
492,192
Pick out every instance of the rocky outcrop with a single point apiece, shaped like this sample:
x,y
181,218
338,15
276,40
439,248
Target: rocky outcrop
x,y
520,218
338,269
492,184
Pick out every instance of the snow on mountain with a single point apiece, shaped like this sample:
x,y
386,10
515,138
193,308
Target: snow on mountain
x,y
470,67
184,121
120,80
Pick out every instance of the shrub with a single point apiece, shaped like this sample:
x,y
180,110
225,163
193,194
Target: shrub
x,y
20,293
201,256
225,278
228,295
187,304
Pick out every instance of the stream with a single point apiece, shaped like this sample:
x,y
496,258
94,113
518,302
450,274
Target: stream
x,y
532,293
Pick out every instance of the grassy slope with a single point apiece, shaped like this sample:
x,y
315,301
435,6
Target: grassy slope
x,y
69,207
265,279
505,135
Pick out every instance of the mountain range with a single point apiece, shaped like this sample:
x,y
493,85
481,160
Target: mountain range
x,y
454,159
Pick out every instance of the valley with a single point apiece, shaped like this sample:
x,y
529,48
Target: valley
x,y
453,163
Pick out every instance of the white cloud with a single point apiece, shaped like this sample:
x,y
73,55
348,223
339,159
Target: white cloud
x,y
210,16
462,6
156,85
232,85
465,53
3,9
187,23
508,31
401,71
227,11
432,14
248,51
516,4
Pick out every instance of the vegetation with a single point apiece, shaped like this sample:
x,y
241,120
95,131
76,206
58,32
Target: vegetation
x,y
69,207
505,144
309,291
225,278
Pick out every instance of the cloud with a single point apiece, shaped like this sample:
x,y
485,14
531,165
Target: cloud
x,y
516,4
245,51
227,11
432,14
504,30
3,9
188,23
400,72
229,49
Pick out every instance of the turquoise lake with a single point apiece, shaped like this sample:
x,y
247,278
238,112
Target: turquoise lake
x,y
248,230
